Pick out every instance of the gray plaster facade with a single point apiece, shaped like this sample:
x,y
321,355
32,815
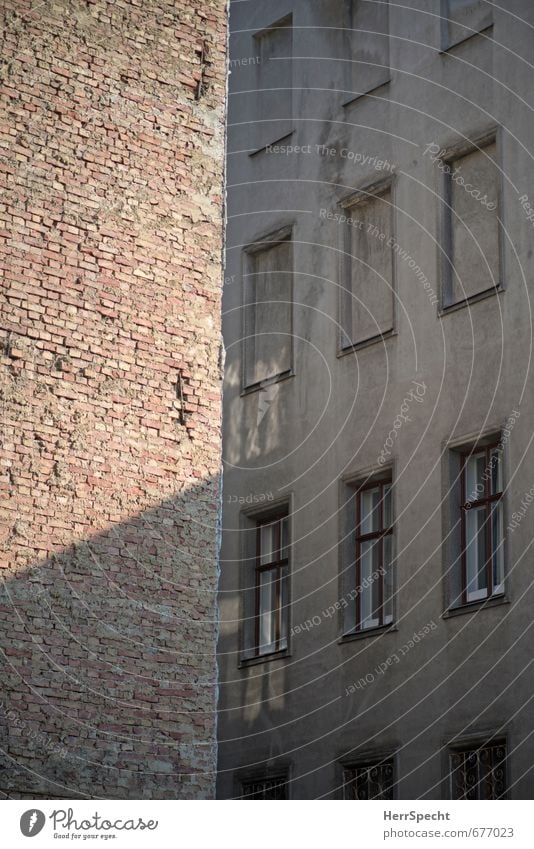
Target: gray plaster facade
x,y
408,315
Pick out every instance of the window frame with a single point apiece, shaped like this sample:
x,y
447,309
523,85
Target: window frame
x,y
449,154
249,518
380,534
278,565
366,193
476,746
487,501
249,252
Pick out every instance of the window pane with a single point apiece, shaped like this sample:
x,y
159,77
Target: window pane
x,y
475,487
372,781
284,613
267,611
369,588
388,580
496,471
387,506
267,543
497,546
476,556
370,511
474,222
479,773
284,536
266,789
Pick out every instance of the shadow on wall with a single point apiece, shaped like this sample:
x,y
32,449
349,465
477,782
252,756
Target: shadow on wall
x,y
107,653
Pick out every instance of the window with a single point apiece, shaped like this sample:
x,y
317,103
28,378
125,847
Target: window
x,y
272,118
268,296
373,589
369,780
368,47
367,290
266,588
265,788
471,221
482,524
478,773
463,18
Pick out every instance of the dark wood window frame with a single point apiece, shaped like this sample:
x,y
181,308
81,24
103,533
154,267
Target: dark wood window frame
x,y
496,772
467,505
276,565
380,534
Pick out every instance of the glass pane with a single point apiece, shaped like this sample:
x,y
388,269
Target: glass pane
x,y
267,611
369,588
387,506
475,486
267,533
496,471
370,510
476,556
497,547
284,537
284,613
388,580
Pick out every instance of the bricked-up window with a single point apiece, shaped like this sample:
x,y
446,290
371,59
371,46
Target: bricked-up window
x,y
367,283
373,572
482,524
460,19
471,224
265,788
273,105
372,780
268,294
478,772
367,34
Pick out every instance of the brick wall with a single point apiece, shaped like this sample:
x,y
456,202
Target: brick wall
x,y
111,167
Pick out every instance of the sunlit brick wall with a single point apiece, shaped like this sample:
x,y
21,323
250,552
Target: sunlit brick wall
x,y
111,167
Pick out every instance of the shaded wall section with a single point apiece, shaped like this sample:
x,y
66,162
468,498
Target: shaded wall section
x,y
111,168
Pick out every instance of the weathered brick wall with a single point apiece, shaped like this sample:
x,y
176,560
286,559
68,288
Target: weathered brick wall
x,y
111,167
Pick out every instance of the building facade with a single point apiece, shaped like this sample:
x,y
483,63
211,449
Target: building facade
x,y
376,560
112,160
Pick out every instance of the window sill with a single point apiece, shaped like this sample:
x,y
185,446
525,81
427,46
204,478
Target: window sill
x,y
369,632
264,147
445,50
264,658
473,606
269,381
472,299
366,343
371,91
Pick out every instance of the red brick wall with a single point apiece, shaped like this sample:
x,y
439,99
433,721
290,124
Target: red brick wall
x,y
111,167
